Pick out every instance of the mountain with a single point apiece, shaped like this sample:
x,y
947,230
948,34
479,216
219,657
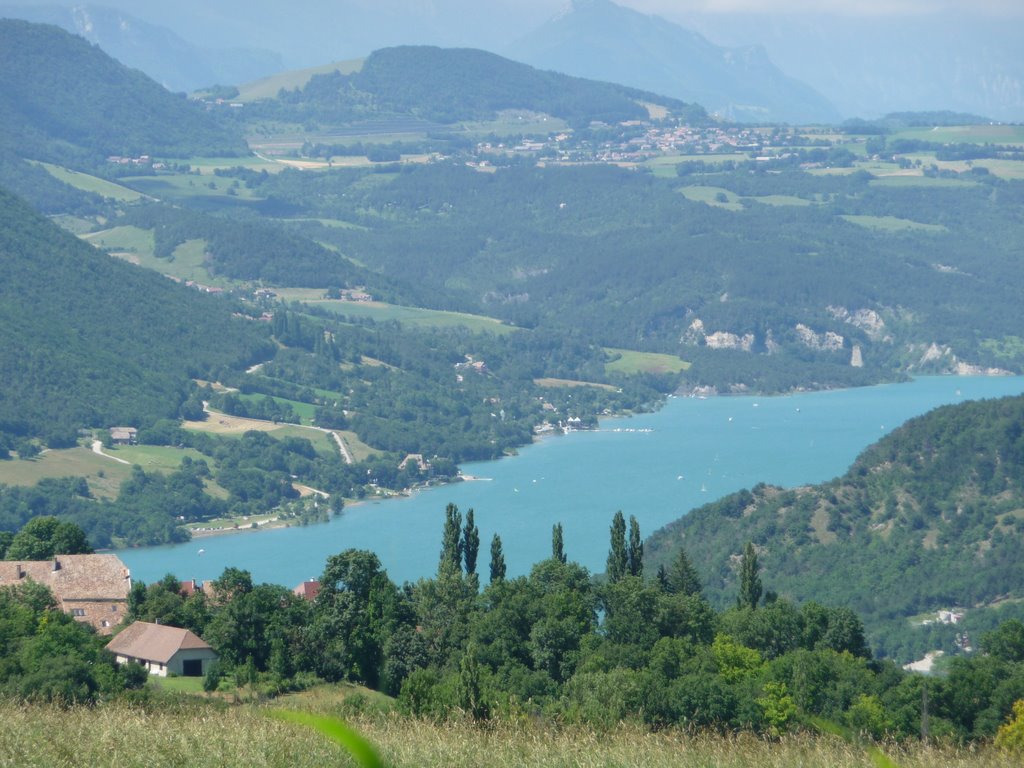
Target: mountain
x,y
93,341
604,41
65,100
448,85
172,61
868,65
930,517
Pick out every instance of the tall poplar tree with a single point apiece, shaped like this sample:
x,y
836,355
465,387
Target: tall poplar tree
x,y
557,544
497,560
618,559
470,543
750,580
451,541
635,552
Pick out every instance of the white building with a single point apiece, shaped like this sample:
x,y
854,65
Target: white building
x,y
163,649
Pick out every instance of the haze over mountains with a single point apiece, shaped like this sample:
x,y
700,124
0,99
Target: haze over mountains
x,y
750,64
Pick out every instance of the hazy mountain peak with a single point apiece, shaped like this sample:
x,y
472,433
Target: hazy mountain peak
x,y
601,40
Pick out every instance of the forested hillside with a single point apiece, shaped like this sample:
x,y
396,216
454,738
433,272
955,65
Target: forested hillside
x,y
765,296
65,100
451,85
931,517
93,341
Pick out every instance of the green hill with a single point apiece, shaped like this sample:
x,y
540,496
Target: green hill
x,y
93,341
931,517
448,85
65,100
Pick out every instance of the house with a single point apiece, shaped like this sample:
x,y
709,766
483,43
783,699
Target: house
x,y
308,590
92,588
163,649
124,435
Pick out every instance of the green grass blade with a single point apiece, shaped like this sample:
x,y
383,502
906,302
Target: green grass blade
x,y
338,732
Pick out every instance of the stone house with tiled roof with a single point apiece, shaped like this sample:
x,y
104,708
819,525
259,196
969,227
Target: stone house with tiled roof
x,y
92,588
163,649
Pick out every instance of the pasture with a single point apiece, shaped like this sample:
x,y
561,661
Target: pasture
x,y
893,224
94,184
572,384
103,475
630,361
268,87
716,196
416,317
965,134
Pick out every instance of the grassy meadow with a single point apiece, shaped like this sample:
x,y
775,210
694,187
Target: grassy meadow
x,y
103,475
631,361
88,183
185,731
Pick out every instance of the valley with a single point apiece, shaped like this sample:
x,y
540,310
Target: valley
x,y
347,301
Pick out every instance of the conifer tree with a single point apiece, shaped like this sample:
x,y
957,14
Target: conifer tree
x,y
497,560
470,543
557,544
618,559
750,581
635,553
682,576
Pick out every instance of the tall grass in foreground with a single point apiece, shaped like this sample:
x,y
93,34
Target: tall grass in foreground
x,y
124,736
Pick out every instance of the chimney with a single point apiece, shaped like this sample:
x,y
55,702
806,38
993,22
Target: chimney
x,y
19,571
56,564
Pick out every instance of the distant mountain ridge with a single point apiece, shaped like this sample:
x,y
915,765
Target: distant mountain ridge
x,y
604,41
172,61
448,85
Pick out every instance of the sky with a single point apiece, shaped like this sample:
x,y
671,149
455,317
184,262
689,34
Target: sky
x,y
674,8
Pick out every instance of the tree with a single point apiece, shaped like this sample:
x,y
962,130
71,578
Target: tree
x,y
557,545
470,543
682,577
635,553
451,541
43,537
618,559
750,580
497,560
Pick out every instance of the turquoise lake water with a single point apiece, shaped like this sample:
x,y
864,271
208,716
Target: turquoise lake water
x,y
655,466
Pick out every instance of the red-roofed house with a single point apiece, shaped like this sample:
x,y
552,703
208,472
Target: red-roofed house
x,y
308,590
163,649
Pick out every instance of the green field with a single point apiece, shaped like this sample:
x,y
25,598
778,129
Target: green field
x,y
716,196
87,183
305,411
103,475
664,166
781,200
893,224
188,262
920,181
381,312
629,361
174,187
965,134
268,87
161,458
132,240
572,383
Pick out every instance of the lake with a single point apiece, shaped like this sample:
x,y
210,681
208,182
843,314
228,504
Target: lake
x,y
655,466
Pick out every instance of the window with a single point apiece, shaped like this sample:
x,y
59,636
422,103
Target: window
x,y
78,611
113,609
